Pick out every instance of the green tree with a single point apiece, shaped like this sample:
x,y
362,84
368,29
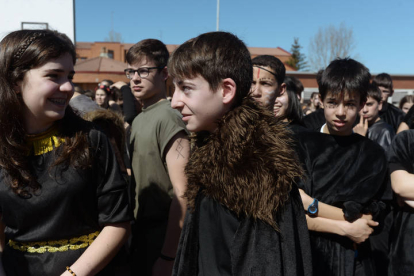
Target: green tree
x,y
297,59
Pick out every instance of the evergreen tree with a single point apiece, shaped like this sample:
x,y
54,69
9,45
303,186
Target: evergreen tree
x,y
297,59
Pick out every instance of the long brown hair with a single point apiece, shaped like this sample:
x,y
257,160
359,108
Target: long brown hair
x,y
21,51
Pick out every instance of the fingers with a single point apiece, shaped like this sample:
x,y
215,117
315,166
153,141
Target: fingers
x,y
365,124
372,223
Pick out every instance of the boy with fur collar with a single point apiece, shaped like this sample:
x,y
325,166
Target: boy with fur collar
x,y
245,212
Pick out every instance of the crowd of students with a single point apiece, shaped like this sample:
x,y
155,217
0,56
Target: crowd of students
x,y
232,176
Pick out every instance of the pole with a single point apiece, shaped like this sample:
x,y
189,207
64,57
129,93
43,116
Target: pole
x,y
218,15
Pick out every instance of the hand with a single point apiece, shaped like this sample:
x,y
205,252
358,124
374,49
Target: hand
x,y
367,216
118,84
162,267
362,127
359,230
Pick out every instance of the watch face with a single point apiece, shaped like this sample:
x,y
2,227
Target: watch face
x,y
312,209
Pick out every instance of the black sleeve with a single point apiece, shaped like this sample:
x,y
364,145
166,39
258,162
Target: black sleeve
x,y
409,118
112,189
130,103
401,152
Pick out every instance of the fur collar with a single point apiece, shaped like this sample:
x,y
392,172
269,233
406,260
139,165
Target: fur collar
x,y
248,164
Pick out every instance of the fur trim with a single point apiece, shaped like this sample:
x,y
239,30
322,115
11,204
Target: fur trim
x,y
248,164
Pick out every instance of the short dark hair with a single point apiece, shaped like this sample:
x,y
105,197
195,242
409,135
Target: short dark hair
x,y
214,56
152,49
274,64
383,80
374,92
345,75
313,94
294,111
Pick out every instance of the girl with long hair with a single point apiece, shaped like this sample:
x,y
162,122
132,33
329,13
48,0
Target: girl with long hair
x,y
63,202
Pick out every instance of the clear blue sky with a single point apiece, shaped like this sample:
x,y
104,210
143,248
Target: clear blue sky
x,y
383,30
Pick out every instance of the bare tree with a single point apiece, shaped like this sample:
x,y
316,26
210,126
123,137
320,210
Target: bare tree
x,y
114,37
330,43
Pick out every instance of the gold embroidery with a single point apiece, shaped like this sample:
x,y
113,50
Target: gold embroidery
x,y
46,141
55,246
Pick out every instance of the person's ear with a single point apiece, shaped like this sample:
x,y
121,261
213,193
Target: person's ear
x,y
228,90
164,73
392,92
282,89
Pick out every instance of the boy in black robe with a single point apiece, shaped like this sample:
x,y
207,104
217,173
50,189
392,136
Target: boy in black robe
x,y
371,125
402,178
245,214
345,176
389,113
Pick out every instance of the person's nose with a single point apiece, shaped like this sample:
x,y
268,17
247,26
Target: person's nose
x,y
176,102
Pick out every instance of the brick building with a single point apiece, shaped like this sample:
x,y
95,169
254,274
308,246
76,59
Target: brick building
x,y
106,60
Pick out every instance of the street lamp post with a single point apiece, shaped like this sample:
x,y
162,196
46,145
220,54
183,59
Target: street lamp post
x,y
218,15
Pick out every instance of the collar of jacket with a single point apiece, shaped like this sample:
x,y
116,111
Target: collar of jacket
x,y
248,164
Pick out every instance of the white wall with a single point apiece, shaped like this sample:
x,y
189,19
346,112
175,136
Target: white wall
x,y
59,14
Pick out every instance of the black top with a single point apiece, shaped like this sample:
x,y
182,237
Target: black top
x,y
381,133
243,246
392,115
69,204
216,230
347,172
315,120
409,118
402,242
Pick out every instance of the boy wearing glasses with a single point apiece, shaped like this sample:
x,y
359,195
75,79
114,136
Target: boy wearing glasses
x,y
345,176
160,150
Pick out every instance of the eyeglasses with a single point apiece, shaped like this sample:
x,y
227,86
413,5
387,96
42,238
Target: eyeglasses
x,y
143,72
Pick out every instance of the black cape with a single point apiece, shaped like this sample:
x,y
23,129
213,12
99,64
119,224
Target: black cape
x,y
347,172
240,175
402,232
392,115
381,133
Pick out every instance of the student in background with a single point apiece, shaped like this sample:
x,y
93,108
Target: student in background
x,y
159,152
389,113
371,125
267,85
406,103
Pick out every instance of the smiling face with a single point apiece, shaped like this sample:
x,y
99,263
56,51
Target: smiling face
x,y
341,111
200,106
264,88
370,111
151,88
281,106
46,91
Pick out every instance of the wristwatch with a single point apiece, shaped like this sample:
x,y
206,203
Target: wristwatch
x,y
313,208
